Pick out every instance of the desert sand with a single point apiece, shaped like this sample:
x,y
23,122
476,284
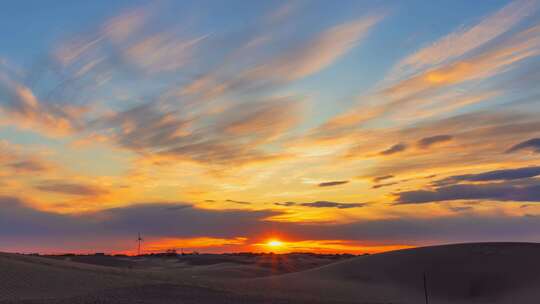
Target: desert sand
x,y
461,273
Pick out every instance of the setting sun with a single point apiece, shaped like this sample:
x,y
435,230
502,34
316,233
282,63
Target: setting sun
x,y
275,243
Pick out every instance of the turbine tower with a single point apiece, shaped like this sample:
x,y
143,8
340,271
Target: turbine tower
x,y
139,240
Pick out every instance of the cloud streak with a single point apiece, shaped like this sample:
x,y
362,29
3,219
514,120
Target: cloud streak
x,y
323,204
466,39
532,144
70,188
397,148
496,175
492,191
333,183
427,142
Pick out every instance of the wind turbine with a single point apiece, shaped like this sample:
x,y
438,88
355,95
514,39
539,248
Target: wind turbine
x,y
139,239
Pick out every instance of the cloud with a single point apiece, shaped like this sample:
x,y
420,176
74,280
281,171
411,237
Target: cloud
x,y
27,166
162,52
204,243
381,178
236,134
24,109
70,188
302,59
490,191
112,229
327,204
532,144
333,183
22,227
377,186
226,113
187,221
318,53
144,128
482,136
16,159
397,148
496,175
18,219
465,40
437,90
322,204
238,202
480,66
427,142
125,42
266,119
285,204
461,208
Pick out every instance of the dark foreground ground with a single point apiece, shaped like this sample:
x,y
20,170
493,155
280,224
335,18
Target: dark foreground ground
x,y
462,273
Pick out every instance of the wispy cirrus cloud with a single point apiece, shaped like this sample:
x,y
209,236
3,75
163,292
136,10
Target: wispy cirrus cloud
x,y
238,133
306,57
205,118
123,36
21,107
318,53
433,91
465,39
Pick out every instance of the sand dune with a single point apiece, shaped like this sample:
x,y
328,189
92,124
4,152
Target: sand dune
x,y
24,277
463,273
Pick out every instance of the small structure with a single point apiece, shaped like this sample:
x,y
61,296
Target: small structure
x,y
139,240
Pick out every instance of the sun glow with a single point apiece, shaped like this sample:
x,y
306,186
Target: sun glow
x,y
275,243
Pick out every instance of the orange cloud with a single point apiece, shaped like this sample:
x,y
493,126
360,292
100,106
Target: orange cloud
x,y
22,108
325,246
193,243
464,40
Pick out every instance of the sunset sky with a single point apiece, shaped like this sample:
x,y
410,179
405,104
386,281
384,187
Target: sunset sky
x,y
219,126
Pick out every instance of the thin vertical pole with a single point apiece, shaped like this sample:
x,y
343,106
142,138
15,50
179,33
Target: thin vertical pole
x,y
139,247
425,288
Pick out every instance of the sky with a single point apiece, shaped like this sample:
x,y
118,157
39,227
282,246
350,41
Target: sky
x,y
227,126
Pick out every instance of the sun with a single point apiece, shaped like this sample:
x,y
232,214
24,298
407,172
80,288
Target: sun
x,y
274,243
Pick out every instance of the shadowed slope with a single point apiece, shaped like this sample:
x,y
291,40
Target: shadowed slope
x,y
27,277
461,273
